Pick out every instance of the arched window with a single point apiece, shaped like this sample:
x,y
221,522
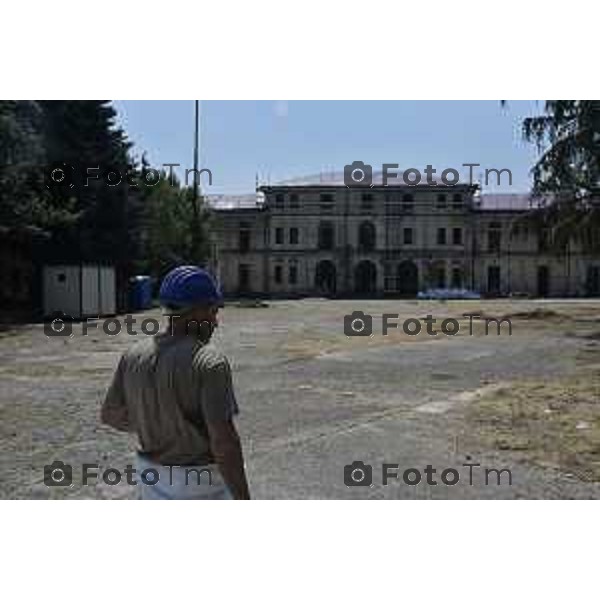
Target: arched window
x,y
366,236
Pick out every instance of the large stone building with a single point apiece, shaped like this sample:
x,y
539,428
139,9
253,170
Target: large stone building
x,y
319,237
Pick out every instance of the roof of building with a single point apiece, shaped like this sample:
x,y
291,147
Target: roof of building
x,y
336,179
508,202
484,202
230,202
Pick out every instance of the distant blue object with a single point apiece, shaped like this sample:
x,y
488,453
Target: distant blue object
x,y
140,292
448,294
189,286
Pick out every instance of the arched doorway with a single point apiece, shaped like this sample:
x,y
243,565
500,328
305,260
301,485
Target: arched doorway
x,y
436,274
457,278
326,278
408,278
365,277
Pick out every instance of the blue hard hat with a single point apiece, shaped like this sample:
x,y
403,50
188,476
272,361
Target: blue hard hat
x,y
189,286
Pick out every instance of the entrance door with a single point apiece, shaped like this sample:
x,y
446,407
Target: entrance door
x,y
365,277
325,278
408,278
543,281
593,281
493,286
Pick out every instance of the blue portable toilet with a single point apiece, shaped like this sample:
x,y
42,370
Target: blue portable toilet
x,y
140,297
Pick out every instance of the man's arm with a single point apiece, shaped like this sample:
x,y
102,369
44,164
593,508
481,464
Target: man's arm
x,y
227,450
114,409
219,406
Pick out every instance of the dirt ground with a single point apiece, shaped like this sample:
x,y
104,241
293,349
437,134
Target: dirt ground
x,y
313,401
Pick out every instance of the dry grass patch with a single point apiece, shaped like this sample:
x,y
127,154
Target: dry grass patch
x,y
308,344
552,423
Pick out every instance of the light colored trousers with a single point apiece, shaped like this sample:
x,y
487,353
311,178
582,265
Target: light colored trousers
x,y
179,483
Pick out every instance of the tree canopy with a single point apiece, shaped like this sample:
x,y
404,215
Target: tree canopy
x,y
567,171
136,225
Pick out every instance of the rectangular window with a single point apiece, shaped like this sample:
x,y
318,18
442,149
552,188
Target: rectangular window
x,y
293,275
244,240
294,202
408,235
326,236
392,204
441,236
366,205
408,203
457,236
327,202
494,237
278,274
293,235
279,200
279,235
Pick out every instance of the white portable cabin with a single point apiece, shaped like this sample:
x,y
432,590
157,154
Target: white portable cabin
x,y
80,291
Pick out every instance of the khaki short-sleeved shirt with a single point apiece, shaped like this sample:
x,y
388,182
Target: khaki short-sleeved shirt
x,y
165,389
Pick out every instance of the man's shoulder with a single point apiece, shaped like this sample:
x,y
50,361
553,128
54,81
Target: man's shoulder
x,y
207,357
141,348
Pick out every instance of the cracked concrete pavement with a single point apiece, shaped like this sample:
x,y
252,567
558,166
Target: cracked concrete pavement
x,y
312,400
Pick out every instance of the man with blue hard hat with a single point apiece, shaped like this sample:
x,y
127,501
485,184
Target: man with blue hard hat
x,y
175,392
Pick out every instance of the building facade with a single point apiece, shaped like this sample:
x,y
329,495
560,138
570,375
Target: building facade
x,y
325,239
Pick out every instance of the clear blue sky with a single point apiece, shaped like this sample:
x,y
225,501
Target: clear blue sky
x,y
281,140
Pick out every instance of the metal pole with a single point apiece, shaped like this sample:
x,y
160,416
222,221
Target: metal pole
x,y
196,220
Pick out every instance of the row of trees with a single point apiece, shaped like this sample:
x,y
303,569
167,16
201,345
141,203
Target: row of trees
x,y
141,228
